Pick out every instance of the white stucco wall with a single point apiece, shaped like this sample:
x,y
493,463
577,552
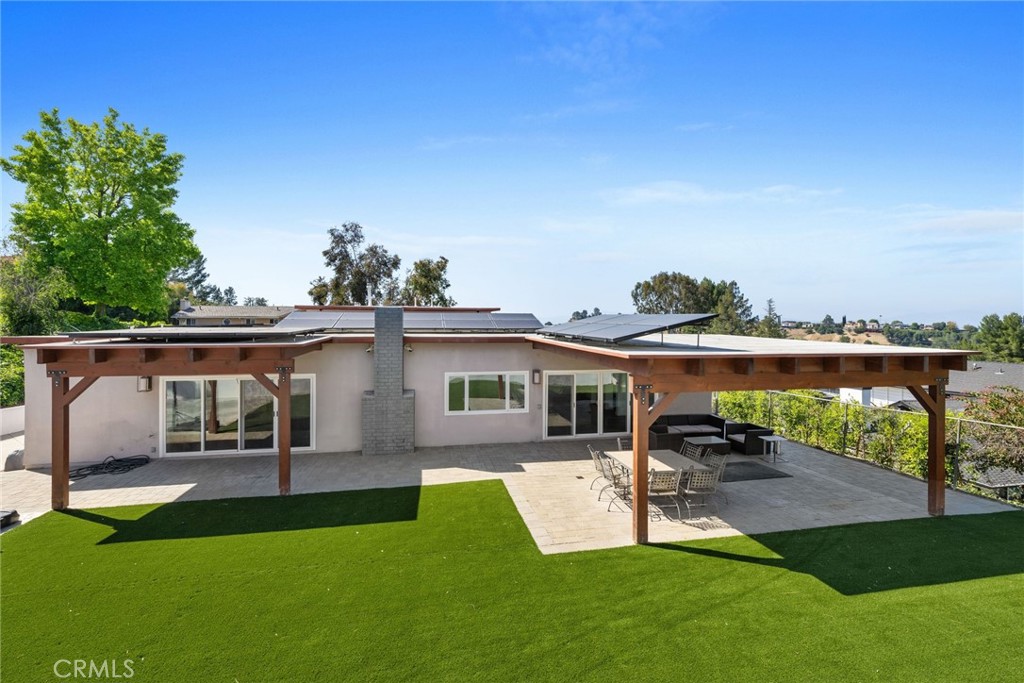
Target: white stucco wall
x,y
343,373
110,418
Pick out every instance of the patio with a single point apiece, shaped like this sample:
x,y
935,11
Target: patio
x,y
548,482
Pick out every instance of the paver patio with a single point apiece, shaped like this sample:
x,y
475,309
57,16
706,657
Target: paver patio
x,y
549,483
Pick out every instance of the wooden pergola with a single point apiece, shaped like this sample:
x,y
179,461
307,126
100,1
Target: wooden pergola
x,y
91,360
659,372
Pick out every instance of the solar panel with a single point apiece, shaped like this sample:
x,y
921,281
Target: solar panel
x,y
195,334
615,328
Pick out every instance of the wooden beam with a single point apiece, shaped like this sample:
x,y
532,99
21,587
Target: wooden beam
x,y
78,389
937,451
836,364
639,366
662,404
147,355
696,367
97,356
916,363
194,355
876,364
284,431
789,366
60,495
46,356
954,363
265,381
169,367
743,366
923,397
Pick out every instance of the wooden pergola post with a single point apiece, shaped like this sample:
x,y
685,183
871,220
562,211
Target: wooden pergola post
x,y
934,403
937,451
61,396
642,397
60,441
284,431
282,391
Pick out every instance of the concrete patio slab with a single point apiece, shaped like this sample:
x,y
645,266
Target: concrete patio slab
x,y
548,481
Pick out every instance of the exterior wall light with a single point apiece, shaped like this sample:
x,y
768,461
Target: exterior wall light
x,y
536,376
144,384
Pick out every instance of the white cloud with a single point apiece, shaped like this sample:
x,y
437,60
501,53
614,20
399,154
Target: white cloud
x,y
676,192
973,222
433,144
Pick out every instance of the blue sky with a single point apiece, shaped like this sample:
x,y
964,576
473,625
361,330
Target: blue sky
x,y
862,159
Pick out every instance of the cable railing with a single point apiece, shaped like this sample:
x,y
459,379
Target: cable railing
x,y
895,439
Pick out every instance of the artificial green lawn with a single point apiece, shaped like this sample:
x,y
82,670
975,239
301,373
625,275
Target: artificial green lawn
x,y
444,583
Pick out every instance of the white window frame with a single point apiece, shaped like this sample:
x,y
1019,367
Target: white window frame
x,y
506,411
202,379
601,433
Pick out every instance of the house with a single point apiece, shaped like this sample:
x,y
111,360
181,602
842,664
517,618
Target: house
x,y
387,380
978,376
197,315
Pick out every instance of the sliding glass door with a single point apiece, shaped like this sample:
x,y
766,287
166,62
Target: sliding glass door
x,y
586,403
231,415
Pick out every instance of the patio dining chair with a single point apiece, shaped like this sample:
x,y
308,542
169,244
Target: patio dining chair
x,y
697,489
716,461
596,455
691,451
621,486
663,485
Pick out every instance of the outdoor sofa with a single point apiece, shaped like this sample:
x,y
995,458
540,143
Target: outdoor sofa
x,y
746,437
669,431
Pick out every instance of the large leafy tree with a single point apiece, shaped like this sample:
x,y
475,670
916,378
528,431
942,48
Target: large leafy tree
x,y
427,284
98,202
360,276
1001,338
993,445
679,293
29,301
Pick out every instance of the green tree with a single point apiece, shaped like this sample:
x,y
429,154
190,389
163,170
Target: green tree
x,y
360,276
254,301
582,314
1001,338
733,312
427,284
996,446
97,206
29,301
770,325
679,293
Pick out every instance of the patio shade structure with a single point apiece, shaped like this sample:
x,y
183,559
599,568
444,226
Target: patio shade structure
x,y
174,351
660,370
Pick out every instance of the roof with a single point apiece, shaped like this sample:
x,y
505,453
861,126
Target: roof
x,y
191,334
981,375
234,312
618,327
995,478
684,346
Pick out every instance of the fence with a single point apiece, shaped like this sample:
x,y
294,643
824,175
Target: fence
x,y
896,439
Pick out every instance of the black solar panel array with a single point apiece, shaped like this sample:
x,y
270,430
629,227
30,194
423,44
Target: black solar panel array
x,y
620,327
196,334
415,321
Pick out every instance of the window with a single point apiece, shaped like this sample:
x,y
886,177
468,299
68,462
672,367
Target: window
x,y
485,392
232,414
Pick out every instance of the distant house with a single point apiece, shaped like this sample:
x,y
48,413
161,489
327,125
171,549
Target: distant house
x,y
220,316
980,375
873,326
789,324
